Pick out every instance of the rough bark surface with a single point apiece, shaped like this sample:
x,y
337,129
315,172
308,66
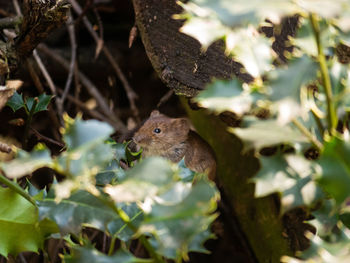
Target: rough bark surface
x,y
176,57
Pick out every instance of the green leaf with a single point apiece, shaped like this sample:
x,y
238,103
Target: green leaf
x,y
335,248
92,255
334,174
305,39
324,8
262,133
206,31
79,132
291,175
15,102
20,228
117,228
298,73
43,102
146,179
325,218
240,12
252,50
225,95
81,209
286,85
27,163
179,218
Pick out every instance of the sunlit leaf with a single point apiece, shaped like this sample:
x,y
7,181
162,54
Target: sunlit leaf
x,y
252,50
334,249
92,255
262,133
324,8
145,179
286,82
79,132
291,176
81,209
224,95
19,224
176,225
27,163
334,174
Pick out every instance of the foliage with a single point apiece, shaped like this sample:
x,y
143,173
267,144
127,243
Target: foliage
x,y
305,105
149,201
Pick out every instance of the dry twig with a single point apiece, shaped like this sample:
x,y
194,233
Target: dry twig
x,y
91,88
132,96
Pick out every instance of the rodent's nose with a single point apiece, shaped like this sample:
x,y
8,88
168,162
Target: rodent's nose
x,y
137,138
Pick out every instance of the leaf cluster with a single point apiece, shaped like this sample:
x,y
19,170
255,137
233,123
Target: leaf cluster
x,y
305,104
148,201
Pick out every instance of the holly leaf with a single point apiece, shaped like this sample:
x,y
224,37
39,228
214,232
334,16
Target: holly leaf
x,y
262,133
92,255
79,132
20,226
43,102
15,102
179,218
27,163
334,174
252,50
291,176
324,8
146,179
225,95
79,210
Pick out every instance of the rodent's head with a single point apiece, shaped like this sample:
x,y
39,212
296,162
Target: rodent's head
x,y
160,132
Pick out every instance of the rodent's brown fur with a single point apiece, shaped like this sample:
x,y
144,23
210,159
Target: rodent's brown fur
x,y
174,142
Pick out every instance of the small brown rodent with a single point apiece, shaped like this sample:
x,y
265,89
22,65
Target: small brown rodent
x,y
172,138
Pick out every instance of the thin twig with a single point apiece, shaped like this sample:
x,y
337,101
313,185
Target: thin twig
x,y
92,113
15,187
73,42
44,138
131,94
308,134
91,88
17,7
326,81
9,22
165,98
29,122
40,88
50,84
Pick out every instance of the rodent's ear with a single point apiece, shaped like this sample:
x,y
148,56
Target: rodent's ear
x,y
155,113
181,123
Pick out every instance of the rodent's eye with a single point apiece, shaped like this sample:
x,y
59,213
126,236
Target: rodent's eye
x,y
157,130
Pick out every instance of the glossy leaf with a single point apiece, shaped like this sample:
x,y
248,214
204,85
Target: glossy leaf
x,y
15,102
146,179
19,224
262,133
92,255
27,163
43,102
291,176
177,221
79,132
252,50
334,174
223,95
72,214
286,82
